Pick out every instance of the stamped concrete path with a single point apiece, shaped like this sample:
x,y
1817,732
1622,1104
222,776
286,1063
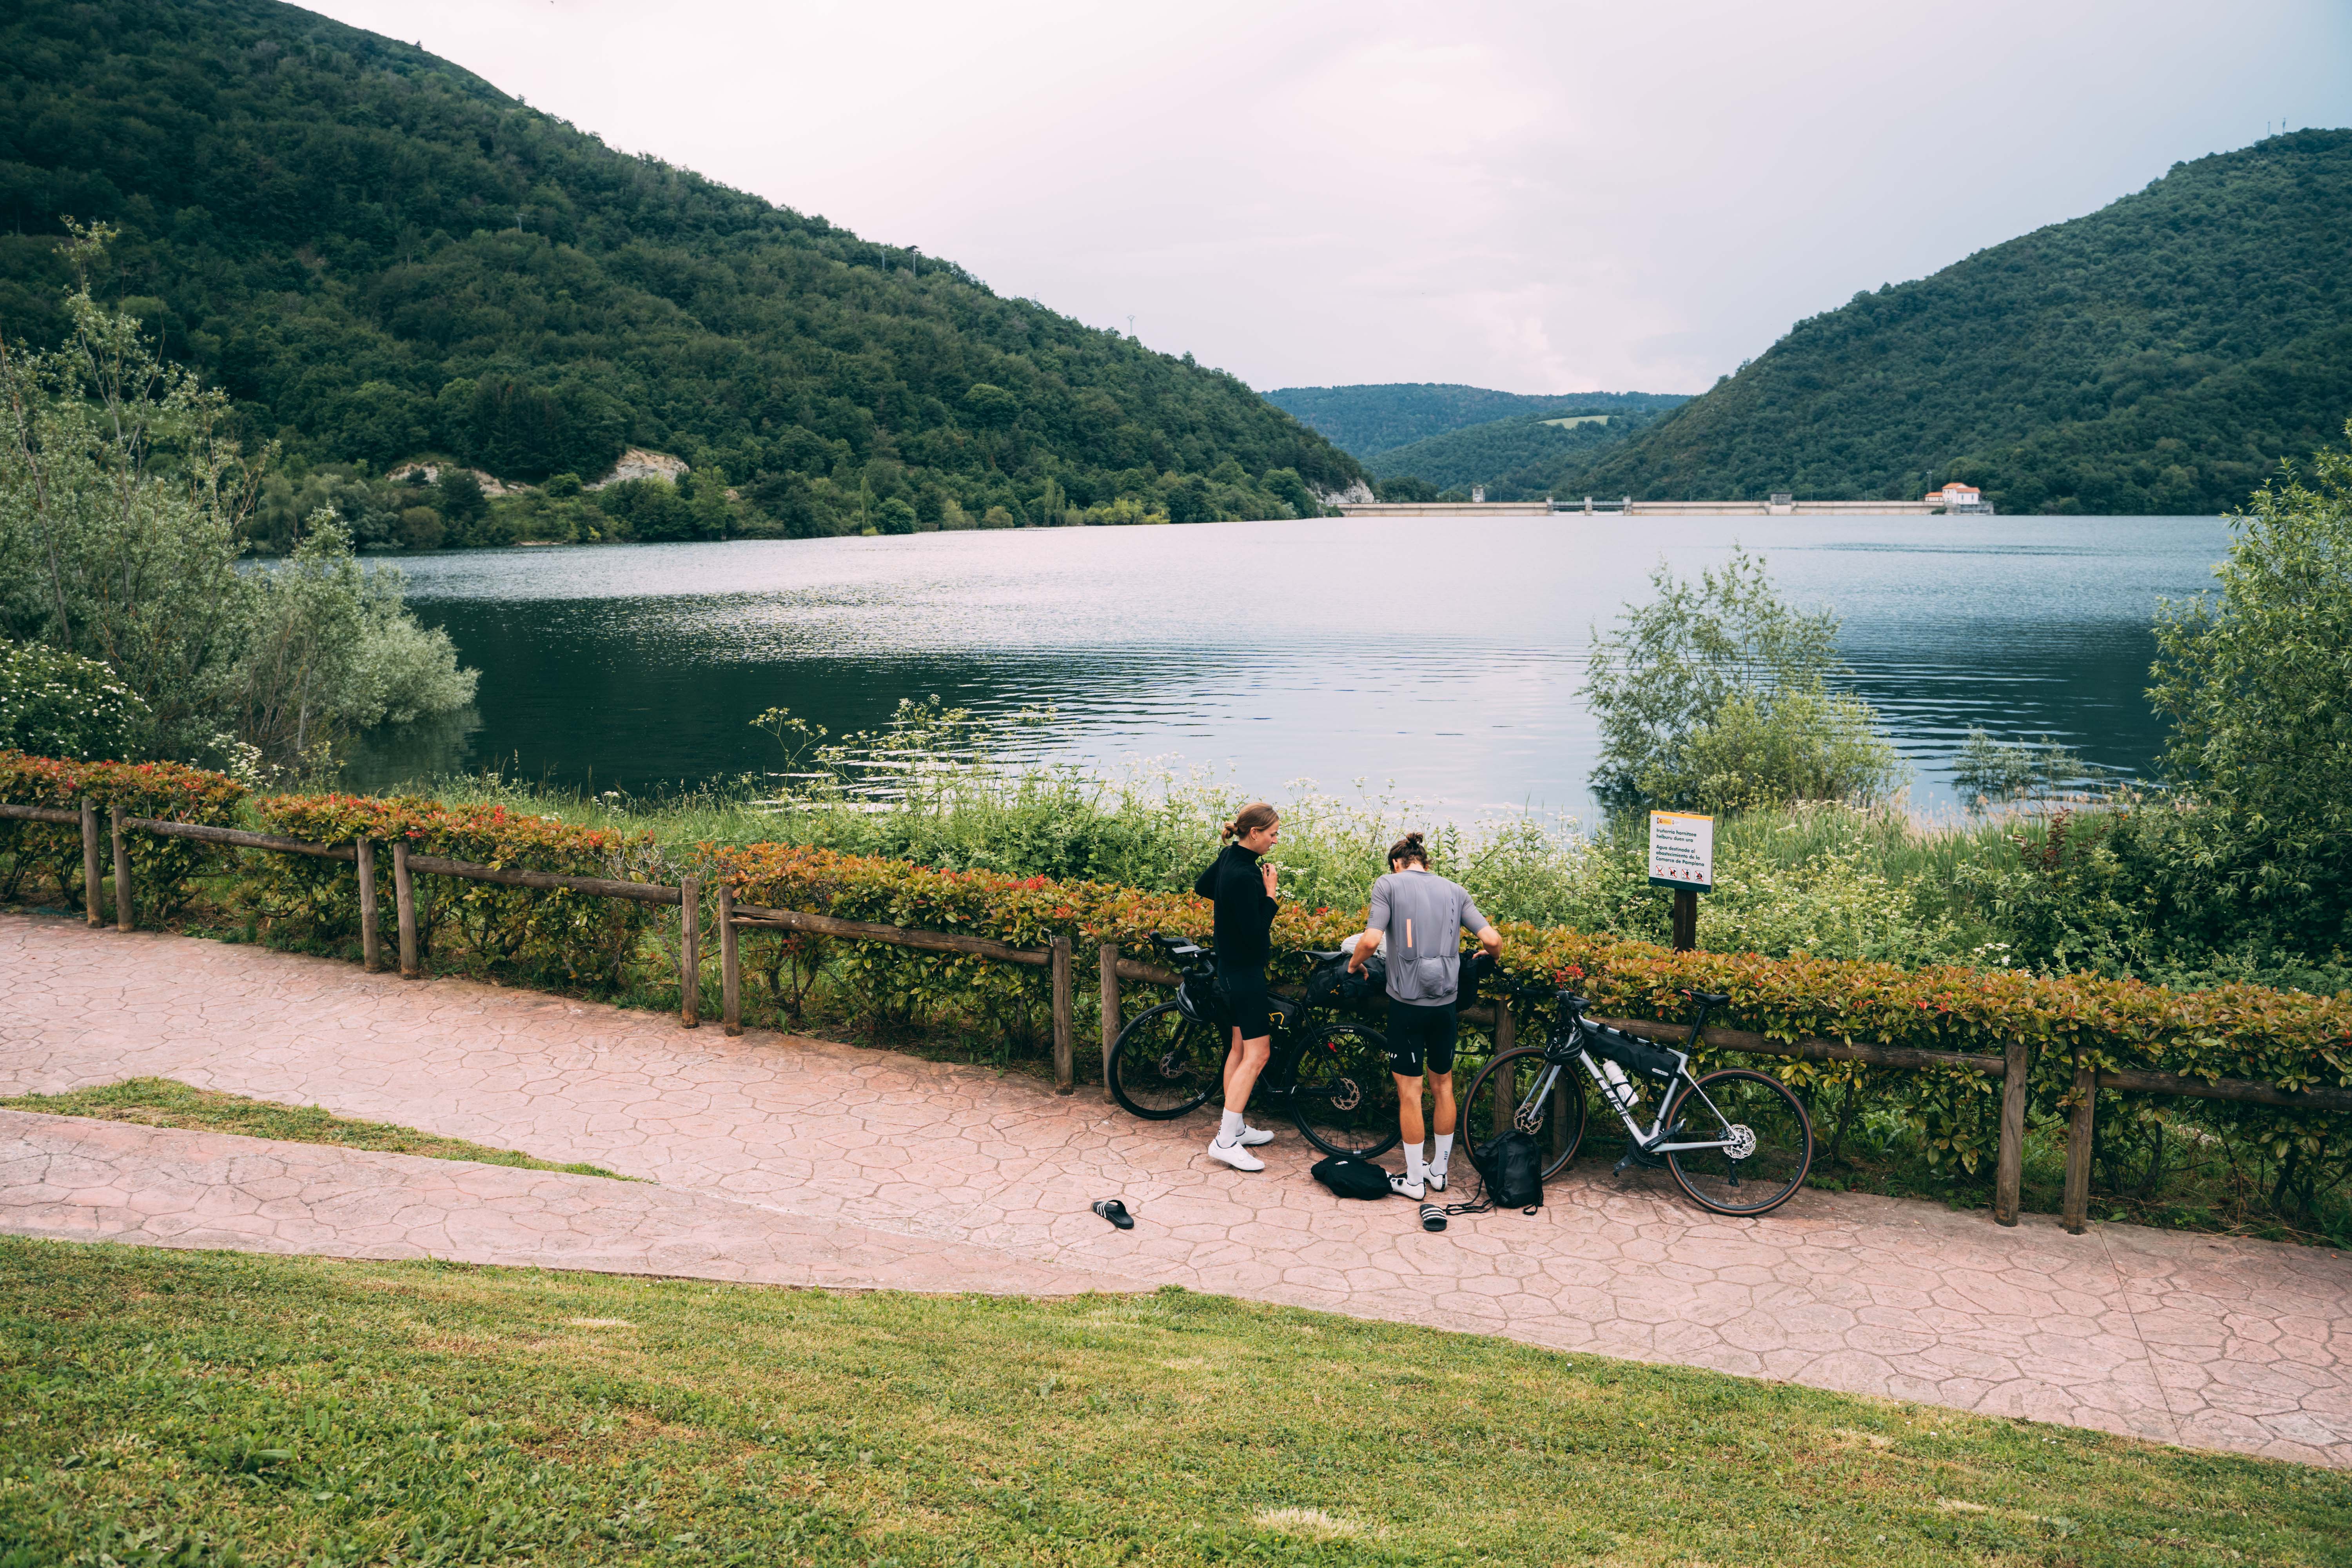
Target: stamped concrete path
x,y
795,1161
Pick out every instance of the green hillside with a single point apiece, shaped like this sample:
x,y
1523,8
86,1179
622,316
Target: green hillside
x,y
1380,417
2159,355
380,254
1515,458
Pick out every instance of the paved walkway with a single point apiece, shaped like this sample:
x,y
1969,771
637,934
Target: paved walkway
x,y
773,1148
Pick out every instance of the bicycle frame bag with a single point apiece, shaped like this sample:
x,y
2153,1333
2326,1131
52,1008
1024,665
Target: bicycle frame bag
x,y
1351,1178
1637,1057
1511,1169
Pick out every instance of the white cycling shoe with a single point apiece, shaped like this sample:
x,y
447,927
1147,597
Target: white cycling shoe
x,y
1233,1154
1404,1186
1253,1136
1436,1179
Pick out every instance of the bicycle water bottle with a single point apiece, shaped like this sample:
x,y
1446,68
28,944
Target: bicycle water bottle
x,y
1620,1089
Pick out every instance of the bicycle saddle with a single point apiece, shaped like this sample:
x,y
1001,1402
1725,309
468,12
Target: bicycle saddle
x,y
1712,998
1321,956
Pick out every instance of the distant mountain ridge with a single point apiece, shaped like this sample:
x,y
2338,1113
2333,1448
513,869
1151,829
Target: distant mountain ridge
x,y
381,255
2159,355
1522,457
1376,417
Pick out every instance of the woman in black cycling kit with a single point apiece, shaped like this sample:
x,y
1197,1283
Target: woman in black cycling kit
x,y
1242,889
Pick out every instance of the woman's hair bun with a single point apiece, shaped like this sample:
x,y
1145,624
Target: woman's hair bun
x,y
1411,846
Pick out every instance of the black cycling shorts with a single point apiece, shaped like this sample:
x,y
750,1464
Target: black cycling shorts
x,y
1419,1036
1244,1003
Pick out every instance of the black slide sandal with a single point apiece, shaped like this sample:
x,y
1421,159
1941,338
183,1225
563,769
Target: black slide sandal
x,y
1115,1211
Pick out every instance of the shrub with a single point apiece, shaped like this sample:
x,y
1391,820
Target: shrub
x,y
163,869
57,704
584,939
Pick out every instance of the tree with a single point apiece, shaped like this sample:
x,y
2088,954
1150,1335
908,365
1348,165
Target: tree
x,y
57,704
1716,696
2257,680
122,498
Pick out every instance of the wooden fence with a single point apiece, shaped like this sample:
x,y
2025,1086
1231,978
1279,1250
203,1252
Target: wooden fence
x,y
2013,1066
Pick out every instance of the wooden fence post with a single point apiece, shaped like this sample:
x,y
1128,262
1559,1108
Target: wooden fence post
x,y
730,964
371,942
2008,1165
690,962
1110,1009
90,875
403,907
121,871
1066,1065
2074,1213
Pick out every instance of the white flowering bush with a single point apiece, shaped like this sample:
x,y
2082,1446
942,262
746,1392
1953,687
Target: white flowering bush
x,y
58,704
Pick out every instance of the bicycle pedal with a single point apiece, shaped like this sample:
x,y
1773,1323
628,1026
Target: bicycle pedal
x,y
1636,1160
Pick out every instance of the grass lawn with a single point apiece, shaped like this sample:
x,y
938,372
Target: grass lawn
x,y
166,1102
169,1407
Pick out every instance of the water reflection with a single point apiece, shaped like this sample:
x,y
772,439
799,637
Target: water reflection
x,y
1441,654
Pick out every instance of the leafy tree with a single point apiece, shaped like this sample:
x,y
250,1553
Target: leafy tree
x,y
124,501
2257,680
1716,696
458,496
892,515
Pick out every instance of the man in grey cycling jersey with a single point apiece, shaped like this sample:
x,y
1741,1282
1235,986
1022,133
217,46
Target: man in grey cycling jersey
x,y
1418,917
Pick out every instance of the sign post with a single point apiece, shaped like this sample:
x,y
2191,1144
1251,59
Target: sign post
x,y
1682,857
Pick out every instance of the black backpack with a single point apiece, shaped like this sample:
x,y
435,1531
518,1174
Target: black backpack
x,y
1351,1178
1511,1171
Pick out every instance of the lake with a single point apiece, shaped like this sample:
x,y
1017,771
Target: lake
x,y
1437,657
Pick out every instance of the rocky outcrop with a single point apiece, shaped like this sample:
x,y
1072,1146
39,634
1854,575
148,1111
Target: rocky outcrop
x,y
1358,494
637,463
430,474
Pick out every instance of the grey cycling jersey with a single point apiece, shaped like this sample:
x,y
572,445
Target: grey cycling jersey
x,y
1423,915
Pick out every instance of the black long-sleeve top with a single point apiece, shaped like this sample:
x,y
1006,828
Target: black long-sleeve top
x,y
1244,915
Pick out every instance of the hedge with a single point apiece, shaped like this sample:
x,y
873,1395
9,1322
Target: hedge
x,y
2231,1031
163,869
576,936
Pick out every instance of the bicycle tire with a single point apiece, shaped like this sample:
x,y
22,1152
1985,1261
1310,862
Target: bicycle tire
x,y
1559,1125
1343,1097
1164,1065
1783,1153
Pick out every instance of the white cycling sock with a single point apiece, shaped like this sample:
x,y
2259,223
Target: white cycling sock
x,y
1416,1168
1445,1148
1230,1129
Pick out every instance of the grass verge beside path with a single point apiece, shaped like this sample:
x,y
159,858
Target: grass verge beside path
x,y
171,1407
167,1102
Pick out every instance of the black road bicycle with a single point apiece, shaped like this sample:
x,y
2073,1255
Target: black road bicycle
x,y
1333,1077
1737,1141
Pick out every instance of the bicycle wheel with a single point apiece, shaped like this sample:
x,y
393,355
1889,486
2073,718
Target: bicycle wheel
x,y
1345,1100
1502,1097
1164,1064
1771,1147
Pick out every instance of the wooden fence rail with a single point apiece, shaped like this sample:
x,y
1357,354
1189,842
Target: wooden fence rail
x,y
2014,1066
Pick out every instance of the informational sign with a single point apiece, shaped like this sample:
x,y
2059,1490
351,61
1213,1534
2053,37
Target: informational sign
x,y
1682,851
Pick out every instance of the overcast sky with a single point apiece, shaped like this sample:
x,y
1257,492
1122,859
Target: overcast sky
x,y
1536,197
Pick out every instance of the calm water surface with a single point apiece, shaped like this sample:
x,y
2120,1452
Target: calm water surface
x,y
1440,655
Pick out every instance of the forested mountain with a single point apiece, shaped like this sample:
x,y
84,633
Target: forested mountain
x,y
380,254
2159,355
1519,458
1380,417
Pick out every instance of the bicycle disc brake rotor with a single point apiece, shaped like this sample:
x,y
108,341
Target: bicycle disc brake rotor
x,y
1346,1094
1528,1120
1172,1066
1742,1142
